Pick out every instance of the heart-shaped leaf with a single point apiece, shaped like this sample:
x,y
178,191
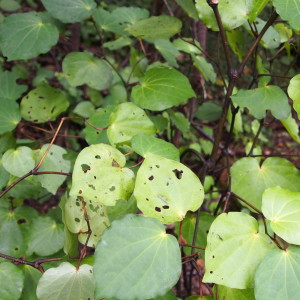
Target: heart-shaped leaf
x,y
282,208
46,237
234,237
126,121
99,175
25,35
18,162
144,144
166,189
250,180
82,68
146,257
162,88
66,282
43,104
278,276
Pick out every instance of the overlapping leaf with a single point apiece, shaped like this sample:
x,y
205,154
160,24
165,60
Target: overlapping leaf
x,y
282,208
294,93
232,238
250,180
289,11
10,115
126,121
99,175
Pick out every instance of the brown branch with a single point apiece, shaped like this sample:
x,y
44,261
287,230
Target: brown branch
x,y
35,264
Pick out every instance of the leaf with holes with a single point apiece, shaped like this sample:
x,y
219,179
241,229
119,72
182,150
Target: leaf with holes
x,y
144,144
10,115
278,276
288,10
83,68
155,28
162,88
231,238
70,11
166,189
99,175
233,13
259,100
250,180
43,104
66,282
282,208
126,121
25,35
53,162
141,243
294,94
9,89
13,230
76,223
46,237
18,162
12,281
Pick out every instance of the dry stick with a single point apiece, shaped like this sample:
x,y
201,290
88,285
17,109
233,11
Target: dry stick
x,y
234,75
35,264
191,246
34,171
274,75
89,233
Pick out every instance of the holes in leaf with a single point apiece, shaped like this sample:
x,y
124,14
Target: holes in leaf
x,y
178,173
166,207
147,199
211,272
16,249
112,188
157,209
95,177
80,191
157,166
77,220
98,157
21,221
151,178
85,168
92,187
115,164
